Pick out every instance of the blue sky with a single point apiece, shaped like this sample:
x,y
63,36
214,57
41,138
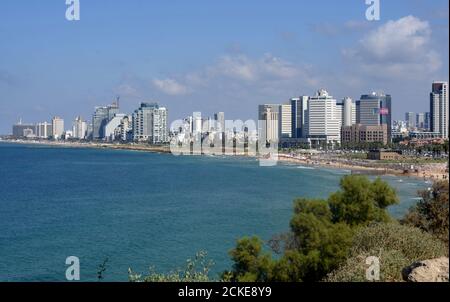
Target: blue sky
x,y
213,56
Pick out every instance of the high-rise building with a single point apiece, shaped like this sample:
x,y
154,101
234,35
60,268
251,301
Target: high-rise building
x,y
268,115
374,110
112,125
20,129
58,127
197,123
101,118
427,121
298,109
410,118
420,121
79,128
439,109
285,126
44,130
263,108
150,124
269,124
324,119
348,112
124,131
219,119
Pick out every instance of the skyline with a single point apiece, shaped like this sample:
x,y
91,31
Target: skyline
x,y
248,54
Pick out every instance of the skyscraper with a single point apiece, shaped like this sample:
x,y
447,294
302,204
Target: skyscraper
x,y
439,108
112,125
420,120
58,127
285,126
298,109
79,128
348,112
150,124
324,119
101,118
410,118
269,124
219,118
427,121
374,110
44,130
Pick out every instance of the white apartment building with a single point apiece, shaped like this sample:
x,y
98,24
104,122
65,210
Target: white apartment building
x,y
44,130
439,108
270,124
285,121
348,112
79,128
112,125
58,127
324,119
150,124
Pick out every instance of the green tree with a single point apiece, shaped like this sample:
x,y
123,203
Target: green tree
x,y
361,201
251,264
320,236
431,214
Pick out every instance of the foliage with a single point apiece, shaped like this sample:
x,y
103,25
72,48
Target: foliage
x,y
196,270
361,201
250,262
431,214
320,234
397,246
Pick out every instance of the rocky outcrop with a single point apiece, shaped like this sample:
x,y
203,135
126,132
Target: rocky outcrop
x,y
434,270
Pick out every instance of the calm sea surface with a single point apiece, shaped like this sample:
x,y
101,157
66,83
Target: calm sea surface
x,y
143,209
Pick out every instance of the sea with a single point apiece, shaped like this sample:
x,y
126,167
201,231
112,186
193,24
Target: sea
x,y
139,210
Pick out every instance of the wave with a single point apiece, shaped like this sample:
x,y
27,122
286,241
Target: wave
x,y
305,168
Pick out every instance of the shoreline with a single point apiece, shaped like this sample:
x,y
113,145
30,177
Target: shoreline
x,y
431,175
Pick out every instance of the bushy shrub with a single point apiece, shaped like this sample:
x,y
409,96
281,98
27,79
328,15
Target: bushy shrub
x,y
431,214
196,270
396,246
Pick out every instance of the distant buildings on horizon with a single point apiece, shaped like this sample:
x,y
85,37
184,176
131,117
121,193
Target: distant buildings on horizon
x,y
319,120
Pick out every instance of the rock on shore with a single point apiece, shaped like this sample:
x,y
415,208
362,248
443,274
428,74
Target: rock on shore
x,y
434,270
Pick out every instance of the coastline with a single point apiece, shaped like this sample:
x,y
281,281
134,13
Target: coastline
x,y
436,172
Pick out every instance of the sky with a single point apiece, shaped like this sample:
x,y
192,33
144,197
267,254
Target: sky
x,y
211,56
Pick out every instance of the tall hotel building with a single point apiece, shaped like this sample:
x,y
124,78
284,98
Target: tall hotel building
x,y
57,127
439,109
375,110
150,124
348,112
269,122
285,125
44,130
324,119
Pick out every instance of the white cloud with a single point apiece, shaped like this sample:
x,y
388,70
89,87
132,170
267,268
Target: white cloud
x,y
242,67
397,48
238,67
170,87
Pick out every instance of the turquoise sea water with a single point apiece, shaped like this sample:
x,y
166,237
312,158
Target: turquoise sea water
x,y
142,209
